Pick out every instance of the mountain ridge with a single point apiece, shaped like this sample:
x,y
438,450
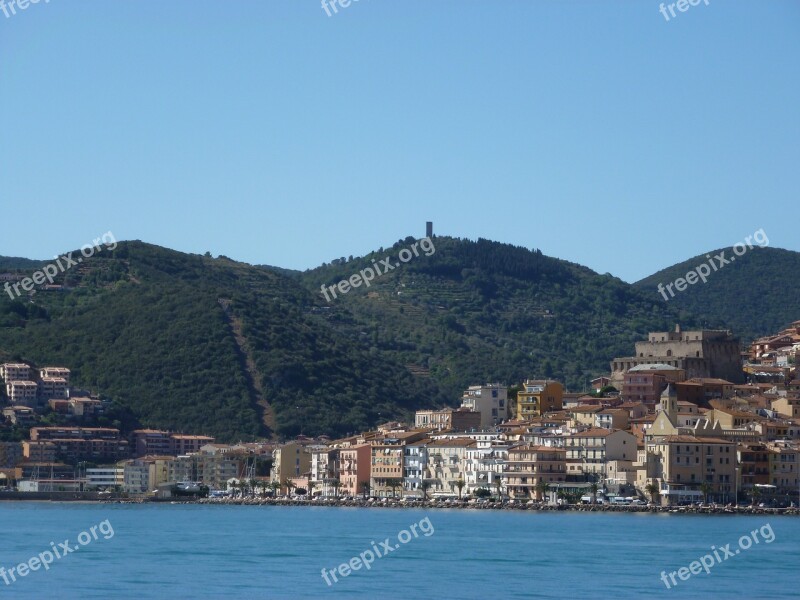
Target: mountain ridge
x,y
212,345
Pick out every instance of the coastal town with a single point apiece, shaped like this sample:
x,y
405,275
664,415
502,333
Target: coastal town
x,y
688,418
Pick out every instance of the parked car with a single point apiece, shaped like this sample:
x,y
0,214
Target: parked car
x,y
588,499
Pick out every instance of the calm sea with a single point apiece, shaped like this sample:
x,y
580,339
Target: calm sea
x,y
184,551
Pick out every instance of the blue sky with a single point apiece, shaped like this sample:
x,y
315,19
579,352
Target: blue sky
x,y
272,133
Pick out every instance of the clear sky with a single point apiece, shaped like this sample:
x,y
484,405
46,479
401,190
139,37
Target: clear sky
x,y
267,131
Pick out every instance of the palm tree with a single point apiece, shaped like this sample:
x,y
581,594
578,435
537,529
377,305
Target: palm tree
x,y
289,485
460,485
253,486
542,487
393,485
498,485
652,489
365,488
233,485
336,484
594,487
705,488
274,486
311,486
424,486
755,494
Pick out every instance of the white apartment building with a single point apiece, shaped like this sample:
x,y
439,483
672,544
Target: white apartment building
x,y
105,477
415,462
15,372
324,470
136,477
22,393
61,372
446,465
213,470
484,464
53,388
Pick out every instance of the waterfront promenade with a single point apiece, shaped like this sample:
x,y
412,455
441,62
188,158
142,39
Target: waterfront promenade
x,y
489,505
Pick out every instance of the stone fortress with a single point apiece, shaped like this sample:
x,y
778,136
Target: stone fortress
x,y
702,353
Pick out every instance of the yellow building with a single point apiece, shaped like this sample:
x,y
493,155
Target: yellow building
x,y
289,461
689,467
732,418
39,451
787,407
784,467
539,396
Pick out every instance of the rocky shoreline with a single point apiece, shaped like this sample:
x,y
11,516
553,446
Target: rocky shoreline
x,y
464,505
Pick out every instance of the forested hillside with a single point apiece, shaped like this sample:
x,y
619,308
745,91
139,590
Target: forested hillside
x,y
208,345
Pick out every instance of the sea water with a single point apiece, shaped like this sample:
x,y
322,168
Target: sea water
x,y
242,552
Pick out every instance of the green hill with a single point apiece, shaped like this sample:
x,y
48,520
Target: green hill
x,y
484,311
208,345
755,295
13,263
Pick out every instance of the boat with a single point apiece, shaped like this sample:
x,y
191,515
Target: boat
x,y
188,486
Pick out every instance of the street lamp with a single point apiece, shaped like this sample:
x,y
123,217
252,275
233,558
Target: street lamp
x,y
711,482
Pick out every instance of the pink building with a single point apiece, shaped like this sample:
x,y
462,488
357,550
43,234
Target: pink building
x,y
354,469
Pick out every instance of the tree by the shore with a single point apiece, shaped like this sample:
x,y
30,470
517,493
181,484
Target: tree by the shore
x,y
652,489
